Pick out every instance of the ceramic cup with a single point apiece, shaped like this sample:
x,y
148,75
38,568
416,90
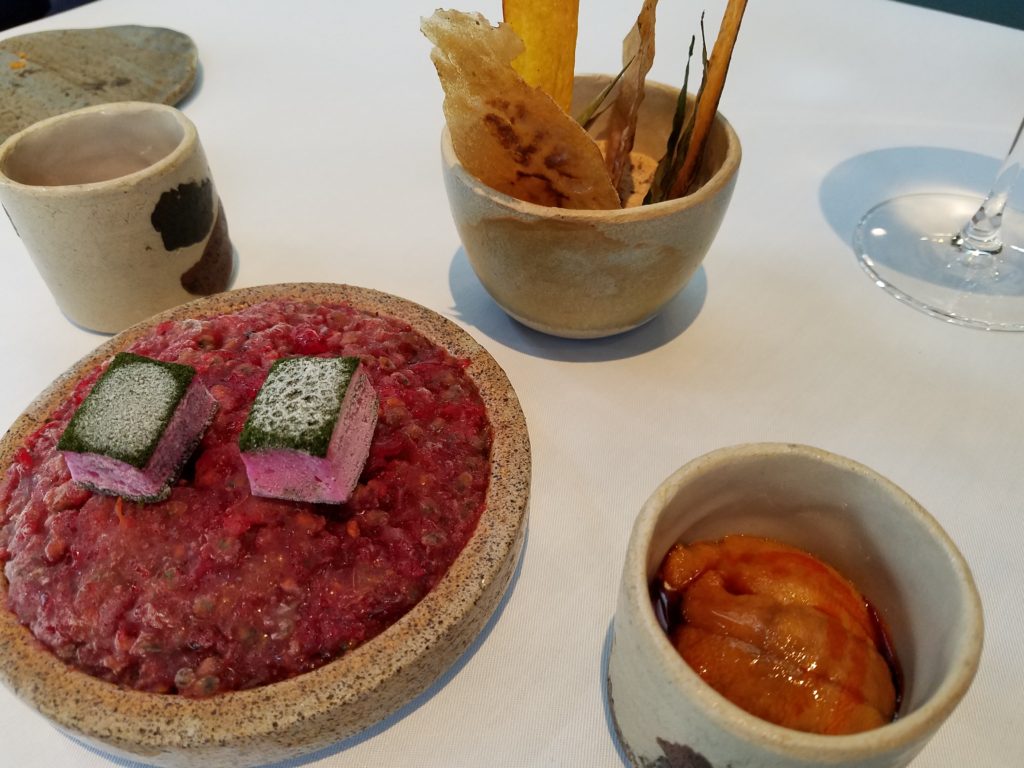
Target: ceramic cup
x,y
857,521
116,205
588,274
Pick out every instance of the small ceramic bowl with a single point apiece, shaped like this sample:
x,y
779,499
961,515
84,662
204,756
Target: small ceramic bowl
x,y
587,274
852,518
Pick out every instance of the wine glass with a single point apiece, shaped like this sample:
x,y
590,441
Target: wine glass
x,y
945,255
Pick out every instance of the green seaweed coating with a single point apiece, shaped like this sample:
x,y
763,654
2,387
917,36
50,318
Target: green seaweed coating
x,y
298,405
126,412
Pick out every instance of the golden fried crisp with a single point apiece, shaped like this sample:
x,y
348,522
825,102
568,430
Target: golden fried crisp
x,y
511,136
637,56
548,30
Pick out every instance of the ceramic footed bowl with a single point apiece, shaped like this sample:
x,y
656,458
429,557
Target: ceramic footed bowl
x,y
312,710
853,519
588,274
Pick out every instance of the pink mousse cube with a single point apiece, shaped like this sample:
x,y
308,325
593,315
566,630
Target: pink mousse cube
x,y
137,427
309,431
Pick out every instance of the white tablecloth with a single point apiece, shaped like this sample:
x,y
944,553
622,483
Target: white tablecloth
x,y
321,122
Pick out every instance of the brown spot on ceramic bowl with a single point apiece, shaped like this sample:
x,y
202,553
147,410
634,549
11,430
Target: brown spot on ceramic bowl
x,y
183,215
313,710
680,756
212,273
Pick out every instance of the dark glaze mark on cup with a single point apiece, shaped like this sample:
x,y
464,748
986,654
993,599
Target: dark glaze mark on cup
x,y
183,215
679,756
673,755
213,270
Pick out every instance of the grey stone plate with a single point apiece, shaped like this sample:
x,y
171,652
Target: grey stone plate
x,y
48,73
313,710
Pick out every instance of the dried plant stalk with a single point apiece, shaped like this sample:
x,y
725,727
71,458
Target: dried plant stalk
x,y
679,136
707,106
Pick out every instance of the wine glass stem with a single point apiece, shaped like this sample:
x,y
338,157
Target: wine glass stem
x,y
982,232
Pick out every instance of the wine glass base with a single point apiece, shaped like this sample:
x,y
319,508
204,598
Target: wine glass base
x,y
907,246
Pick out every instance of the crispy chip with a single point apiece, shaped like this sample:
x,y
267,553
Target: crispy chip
x,y
638,53
511,136
548,30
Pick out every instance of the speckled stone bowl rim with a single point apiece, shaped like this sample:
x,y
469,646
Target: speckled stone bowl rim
x,y
718,181
827,749
307,712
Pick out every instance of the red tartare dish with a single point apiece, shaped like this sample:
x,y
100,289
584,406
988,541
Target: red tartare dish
x,y
214,589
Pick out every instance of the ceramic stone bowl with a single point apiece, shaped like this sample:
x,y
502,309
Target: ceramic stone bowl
x,y
850,517
313,710
588,274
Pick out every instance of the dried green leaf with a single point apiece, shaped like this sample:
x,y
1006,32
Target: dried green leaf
x,y
594,109
716,71
656,192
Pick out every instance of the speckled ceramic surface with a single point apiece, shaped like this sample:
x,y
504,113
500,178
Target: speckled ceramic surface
x,y
43,74
118,209
313,710
586,274
853,519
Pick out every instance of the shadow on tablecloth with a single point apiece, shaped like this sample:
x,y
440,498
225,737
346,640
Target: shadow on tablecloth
x,y
860,183
475,307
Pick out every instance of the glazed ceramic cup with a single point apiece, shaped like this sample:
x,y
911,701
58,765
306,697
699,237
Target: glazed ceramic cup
x,y
852,518
116,206
587,274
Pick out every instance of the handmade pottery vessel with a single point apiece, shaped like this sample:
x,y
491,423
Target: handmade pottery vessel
x,y
117,207
298,715
851,518
585,273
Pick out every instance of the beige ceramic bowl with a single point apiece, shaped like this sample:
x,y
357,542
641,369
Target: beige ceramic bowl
x,y
852,518
587,274
313,710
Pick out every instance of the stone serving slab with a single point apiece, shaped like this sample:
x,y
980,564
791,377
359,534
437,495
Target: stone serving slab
x,y
43,74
